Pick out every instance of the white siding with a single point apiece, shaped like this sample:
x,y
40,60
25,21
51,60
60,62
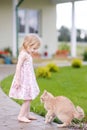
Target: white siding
x,y
49,28
5,23
48,22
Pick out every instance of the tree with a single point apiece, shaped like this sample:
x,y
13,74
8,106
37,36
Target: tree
x,y
78,34
64,34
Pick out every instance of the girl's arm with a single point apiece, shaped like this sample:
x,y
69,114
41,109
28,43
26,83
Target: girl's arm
x,y
21,59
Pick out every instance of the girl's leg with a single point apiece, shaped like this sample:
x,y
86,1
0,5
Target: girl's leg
x,y
24,109
30,117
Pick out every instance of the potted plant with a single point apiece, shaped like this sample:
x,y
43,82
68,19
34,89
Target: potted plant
x,y
64,50
45,51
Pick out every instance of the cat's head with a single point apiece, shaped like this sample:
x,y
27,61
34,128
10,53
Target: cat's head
x,y
45,96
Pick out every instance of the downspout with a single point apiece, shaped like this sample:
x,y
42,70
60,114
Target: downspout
x,y
16,9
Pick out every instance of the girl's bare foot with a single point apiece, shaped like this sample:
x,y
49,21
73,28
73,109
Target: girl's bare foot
x,y
24,119
32,118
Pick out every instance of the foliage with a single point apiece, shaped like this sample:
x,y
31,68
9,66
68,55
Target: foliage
x,y
85,55
64,34
64,46
53,67
76,63
43,72
8,49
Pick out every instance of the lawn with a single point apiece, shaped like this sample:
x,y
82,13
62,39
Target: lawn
x,y
70,82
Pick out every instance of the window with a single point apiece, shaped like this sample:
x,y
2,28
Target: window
x,y
21,21
29,21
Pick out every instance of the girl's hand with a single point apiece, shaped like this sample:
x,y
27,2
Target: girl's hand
x,y
17,84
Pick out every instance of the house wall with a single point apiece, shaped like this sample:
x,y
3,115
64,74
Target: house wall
x,y
5,23
48,25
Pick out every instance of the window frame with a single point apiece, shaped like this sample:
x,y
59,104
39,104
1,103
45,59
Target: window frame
x,y
27,24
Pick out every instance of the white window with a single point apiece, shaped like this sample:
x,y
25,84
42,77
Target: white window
x,y
21,21
29,21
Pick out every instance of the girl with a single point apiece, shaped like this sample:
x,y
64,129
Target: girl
x,y
24,85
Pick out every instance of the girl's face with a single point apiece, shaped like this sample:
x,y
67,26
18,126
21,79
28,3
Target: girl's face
x,y
32,49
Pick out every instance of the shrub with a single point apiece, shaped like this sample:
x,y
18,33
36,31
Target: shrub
x,y
8,50
43,72
64,46
77,63
85,55
52,67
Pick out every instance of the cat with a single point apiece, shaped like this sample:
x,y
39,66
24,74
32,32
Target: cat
x,y
60,107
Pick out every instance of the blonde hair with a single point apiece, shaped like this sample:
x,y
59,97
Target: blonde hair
x,y
31,40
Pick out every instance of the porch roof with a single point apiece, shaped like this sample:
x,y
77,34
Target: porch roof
x,y
63,1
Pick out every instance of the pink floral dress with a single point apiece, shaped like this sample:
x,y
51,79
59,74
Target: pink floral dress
x,y
28,89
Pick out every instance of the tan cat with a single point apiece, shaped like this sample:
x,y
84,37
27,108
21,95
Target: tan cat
x,y
60,107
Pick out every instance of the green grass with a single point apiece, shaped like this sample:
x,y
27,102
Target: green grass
x,y
70,82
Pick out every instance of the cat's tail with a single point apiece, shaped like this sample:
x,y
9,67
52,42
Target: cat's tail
x,y
79,114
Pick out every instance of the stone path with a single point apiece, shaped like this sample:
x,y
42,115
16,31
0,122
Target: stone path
x,y
10,109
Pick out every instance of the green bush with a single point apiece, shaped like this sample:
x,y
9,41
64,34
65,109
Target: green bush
x,y
85,55
64,46
43,72
52,67
8,49
76,63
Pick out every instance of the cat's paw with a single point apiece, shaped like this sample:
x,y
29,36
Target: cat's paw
x,y
61,125
46,121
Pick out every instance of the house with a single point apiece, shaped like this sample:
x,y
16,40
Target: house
x,y
21,17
